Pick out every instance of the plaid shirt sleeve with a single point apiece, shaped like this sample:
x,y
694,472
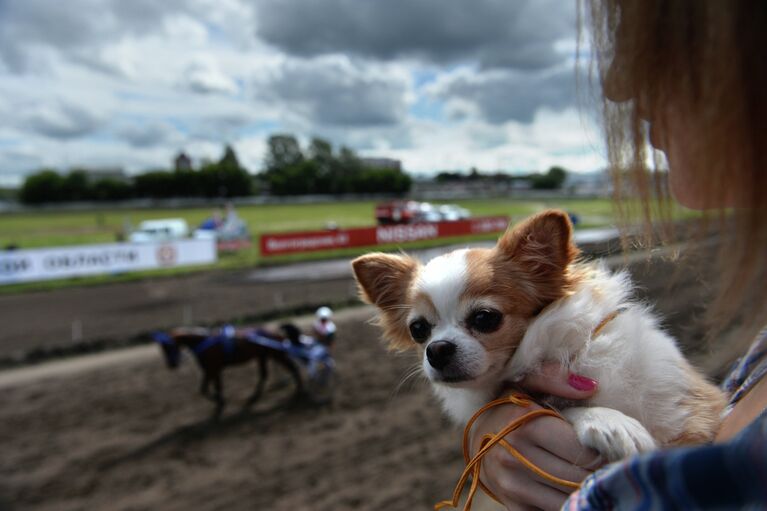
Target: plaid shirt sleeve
x,y
731,475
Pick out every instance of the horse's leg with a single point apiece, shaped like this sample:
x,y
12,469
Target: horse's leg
x,y
288,363
263,373
205,384
219,394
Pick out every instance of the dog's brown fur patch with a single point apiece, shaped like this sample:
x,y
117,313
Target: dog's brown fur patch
x,y
530,267
423,297
384,281
705,403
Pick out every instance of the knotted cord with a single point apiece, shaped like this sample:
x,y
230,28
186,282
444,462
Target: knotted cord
x,y
474,465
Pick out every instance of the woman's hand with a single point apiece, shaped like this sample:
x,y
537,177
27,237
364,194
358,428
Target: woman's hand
x,y
548,442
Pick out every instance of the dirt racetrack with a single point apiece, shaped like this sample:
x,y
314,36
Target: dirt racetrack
x,y
127,434
136,436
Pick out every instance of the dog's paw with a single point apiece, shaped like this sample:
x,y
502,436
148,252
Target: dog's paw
x,y
611,433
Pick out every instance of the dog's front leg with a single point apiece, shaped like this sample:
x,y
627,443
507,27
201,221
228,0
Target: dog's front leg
x,y
611,433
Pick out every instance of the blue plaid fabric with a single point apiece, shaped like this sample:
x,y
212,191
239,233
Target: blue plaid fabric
x,y
731,475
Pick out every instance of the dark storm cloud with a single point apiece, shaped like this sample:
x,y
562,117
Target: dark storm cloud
x,y
497,33
502,96
73,25
335,92
25,24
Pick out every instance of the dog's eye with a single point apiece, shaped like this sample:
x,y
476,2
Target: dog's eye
x,y
485,320
420,329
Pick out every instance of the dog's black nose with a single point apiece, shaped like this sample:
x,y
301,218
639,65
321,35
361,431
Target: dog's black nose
x,y
439,353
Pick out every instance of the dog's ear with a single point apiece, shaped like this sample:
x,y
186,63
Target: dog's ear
x,y
542,243
383,278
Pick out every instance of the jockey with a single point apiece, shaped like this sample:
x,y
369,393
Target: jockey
x,y
323,327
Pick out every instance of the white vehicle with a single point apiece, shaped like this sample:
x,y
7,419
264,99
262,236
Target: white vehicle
x,y
453,213
167,229
428,213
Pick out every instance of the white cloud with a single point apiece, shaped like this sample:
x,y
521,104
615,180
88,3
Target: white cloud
x,y
59,120
129,83
552,138
204,76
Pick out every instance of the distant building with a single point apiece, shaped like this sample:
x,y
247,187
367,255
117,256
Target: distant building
x,y
182,162
382,163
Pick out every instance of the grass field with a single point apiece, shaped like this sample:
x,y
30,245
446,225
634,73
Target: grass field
x,y
44,229
51,228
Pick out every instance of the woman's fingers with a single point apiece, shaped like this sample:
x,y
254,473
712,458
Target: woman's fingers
x,y
518,488
558,437
553,379
552,464
550,443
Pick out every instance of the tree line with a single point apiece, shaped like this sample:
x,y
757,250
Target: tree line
x,y
224,178
319,169
552,179
289,170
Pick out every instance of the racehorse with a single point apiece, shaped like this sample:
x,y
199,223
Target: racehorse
x,y
215,351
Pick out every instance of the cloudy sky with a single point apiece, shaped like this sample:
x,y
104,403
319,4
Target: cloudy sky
x,y
439,84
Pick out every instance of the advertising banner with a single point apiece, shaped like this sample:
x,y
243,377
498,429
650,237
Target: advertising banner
x,y
111,258
294,242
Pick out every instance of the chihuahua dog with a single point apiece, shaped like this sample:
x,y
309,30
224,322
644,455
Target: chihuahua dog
x,y
482,319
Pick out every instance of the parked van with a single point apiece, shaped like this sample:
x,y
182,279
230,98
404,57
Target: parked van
x,y
167,229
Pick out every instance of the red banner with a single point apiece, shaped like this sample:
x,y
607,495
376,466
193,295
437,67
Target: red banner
x,y
294,242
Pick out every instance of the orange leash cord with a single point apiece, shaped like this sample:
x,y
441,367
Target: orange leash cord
x,y
474,465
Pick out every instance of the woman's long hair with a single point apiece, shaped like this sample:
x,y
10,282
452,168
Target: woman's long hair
x,y
708,60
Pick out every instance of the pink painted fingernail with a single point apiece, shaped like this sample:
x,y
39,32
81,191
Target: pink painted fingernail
x,y
579,382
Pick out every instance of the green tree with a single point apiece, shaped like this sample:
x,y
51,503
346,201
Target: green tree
x,y
553,179
289,172
44,186
156,184
328,173
186,183
76,187
233,177
225,178
321,151
447,177
297,179
557,175
283,150
111,190
229,159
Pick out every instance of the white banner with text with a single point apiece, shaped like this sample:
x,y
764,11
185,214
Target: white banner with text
x,y
111,258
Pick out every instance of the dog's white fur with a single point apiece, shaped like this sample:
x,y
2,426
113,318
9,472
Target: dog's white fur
x,y
648,394
641,373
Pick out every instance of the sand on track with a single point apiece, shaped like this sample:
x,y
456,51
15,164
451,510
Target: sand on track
x,y
118,431
125,433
